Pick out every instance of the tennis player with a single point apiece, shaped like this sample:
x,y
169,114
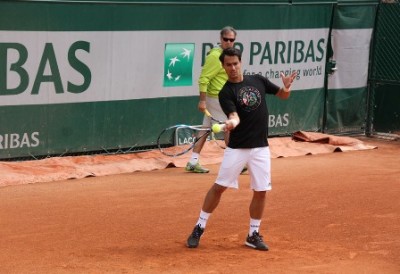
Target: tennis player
x,y
243,100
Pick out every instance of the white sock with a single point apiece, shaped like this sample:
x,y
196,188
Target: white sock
x,y
194,159
254,226
203,218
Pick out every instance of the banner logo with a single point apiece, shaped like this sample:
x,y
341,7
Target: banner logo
x,y
178,64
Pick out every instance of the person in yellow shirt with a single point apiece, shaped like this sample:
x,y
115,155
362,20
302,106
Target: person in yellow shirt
x,y
211,80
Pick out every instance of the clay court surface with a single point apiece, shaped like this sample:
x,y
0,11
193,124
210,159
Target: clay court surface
x,y
327,213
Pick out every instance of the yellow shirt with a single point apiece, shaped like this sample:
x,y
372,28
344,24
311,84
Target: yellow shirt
x,y
213,75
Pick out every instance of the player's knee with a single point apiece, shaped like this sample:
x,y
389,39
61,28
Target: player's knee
x,y
218,189
259,194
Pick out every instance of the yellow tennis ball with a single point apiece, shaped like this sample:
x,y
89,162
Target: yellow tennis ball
x,y
216,128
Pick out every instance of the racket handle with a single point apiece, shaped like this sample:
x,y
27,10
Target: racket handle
x,y
206,112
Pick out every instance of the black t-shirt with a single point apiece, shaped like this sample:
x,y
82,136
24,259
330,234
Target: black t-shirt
x,y
247,98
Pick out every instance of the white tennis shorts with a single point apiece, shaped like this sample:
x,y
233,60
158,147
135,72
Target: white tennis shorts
x,y
258,162
215,110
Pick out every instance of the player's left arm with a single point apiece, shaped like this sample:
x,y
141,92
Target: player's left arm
x,y
284,92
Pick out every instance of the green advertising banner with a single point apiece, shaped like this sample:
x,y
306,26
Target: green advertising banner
x,y
82,77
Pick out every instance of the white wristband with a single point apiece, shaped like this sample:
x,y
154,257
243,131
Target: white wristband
x,y
234,122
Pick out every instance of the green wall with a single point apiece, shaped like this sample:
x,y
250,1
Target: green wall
x,y
124,111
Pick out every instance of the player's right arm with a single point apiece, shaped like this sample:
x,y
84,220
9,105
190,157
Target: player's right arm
x,y
232,122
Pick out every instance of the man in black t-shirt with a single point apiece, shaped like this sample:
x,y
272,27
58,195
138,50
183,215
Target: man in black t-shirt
x,y
243,100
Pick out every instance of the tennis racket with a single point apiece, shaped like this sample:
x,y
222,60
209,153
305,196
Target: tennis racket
x,y
179,139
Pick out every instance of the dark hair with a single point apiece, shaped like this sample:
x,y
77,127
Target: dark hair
x,y
227,29
230,52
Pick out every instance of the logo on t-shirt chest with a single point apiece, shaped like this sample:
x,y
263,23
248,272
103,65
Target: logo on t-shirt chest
x,y
249,98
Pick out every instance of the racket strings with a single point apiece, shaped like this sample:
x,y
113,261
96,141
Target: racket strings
x,y
177,140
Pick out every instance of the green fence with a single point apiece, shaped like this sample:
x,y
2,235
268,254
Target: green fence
x,y
385,71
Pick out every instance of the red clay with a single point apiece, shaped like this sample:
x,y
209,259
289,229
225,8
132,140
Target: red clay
x,y
326,213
